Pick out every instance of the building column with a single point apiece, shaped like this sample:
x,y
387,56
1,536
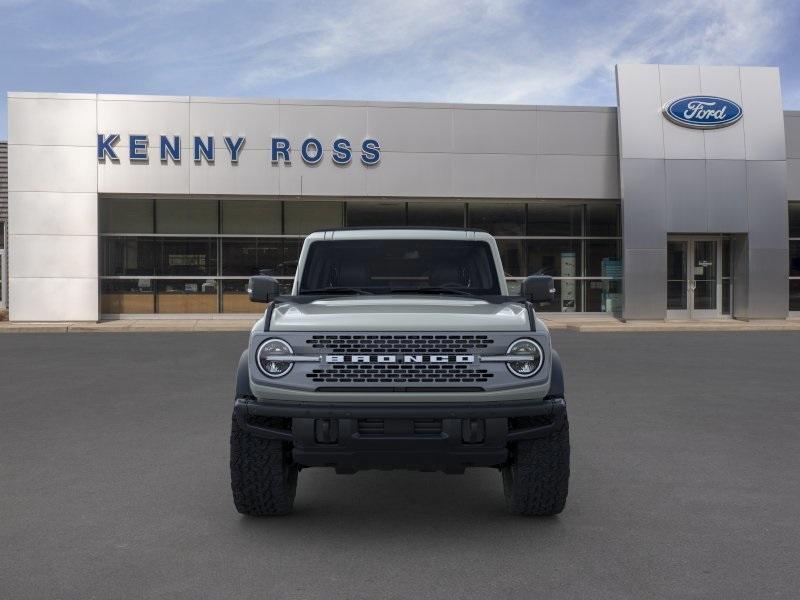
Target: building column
x,y
53,239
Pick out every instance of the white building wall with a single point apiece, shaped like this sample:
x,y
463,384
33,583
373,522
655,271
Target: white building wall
x,y
52,201
427,151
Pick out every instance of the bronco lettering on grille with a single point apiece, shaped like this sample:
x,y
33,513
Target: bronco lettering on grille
x,y
399,358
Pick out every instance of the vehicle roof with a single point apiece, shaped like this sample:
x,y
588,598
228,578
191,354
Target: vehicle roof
x,y
400,233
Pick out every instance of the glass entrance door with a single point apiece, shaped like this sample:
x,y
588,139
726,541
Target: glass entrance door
x,y
705,281
693,278
677,279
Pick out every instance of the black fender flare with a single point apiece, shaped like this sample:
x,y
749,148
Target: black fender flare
x,y
243,378
556,378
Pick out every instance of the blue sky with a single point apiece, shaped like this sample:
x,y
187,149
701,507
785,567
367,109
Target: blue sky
x,y
558,52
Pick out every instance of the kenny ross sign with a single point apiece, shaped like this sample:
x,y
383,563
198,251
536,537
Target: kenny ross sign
x,y
169,148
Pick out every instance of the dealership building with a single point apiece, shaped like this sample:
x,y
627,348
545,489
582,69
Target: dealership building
x,y
682,202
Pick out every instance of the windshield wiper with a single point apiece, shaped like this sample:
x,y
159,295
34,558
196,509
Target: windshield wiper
x,y
434,290
336,290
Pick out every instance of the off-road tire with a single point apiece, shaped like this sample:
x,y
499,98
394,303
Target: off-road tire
x,y
263,476
536,477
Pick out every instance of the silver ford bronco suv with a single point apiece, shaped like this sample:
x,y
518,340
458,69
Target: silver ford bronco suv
x,y
400,349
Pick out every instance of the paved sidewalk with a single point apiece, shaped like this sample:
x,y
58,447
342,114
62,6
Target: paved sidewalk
x,y
579,323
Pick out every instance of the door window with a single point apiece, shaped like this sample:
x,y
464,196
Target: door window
x,y
705,275
677,282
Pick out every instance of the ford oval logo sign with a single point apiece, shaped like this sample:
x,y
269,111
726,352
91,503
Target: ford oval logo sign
x,y
703,112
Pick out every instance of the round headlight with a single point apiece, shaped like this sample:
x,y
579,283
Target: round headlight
x,y
531,358
273,368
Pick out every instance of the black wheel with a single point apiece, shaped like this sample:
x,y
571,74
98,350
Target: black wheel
x,y
263,476
536,478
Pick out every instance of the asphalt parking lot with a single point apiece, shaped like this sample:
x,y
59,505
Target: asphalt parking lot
x,y
114,482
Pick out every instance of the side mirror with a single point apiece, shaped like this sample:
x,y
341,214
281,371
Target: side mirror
x,y
262,288
539,288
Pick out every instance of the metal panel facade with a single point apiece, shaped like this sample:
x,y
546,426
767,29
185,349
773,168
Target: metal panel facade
x,y
715,181
428,151
792,128
3,182
671,179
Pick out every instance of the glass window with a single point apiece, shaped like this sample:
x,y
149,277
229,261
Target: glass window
x,y
188,256
376,214
127,296
514,287
436,214
602,219
235,298
568,297
794,258
128,255
383,266
602,258
554,219
677,275
498,218
250,256
285,286
726,258
186,216
126,215
186,296
301,217
603,296
726,276
557,258
257,217
794,219
794,294
204,258
512,257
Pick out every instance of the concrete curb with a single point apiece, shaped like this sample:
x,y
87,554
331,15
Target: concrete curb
x,y
642,327
188,325
582,326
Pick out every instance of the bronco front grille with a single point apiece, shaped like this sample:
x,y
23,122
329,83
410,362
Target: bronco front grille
x,y
399,373
399,344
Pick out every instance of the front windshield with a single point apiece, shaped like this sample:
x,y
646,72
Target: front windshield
x,y
400,266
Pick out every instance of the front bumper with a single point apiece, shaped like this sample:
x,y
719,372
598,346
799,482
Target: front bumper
x,y
355,436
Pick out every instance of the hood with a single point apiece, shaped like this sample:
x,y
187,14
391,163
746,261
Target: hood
x,y
399,313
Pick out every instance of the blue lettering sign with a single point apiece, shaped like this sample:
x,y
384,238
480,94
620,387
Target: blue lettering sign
x,y
311,151
207,149
173,150
234,147
105,146
703,112
137,147
370,152
280,149
341,152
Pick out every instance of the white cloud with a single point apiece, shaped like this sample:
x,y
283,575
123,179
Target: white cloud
x,y
317,41
474,51
680,32
493,51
